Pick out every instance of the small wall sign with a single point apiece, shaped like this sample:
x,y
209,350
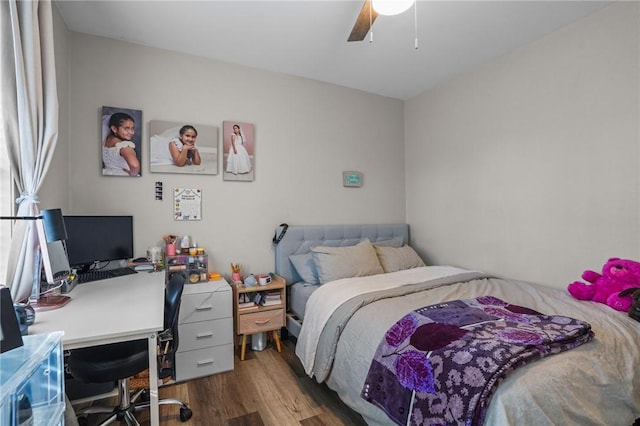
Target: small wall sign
x,y
188,204
352,179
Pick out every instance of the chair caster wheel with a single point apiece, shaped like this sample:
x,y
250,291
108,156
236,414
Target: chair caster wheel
x,y
83,421
185,414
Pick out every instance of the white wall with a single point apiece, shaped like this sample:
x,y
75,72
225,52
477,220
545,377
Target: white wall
x,y
528,166
307,134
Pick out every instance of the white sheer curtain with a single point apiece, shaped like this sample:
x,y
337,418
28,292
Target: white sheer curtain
x,y
29,115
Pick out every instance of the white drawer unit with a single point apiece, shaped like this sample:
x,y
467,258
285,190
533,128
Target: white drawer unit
x,y
205,330
205,334
204,362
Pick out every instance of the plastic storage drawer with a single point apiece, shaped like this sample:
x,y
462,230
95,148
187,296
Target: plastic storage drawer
x,y
32,382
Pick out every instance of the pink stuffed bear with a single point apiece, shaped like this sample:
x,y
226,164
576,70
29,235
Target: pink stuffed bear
x,y
617,275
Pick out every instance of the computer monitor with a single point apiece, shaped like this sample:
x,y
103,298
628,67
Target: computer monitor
x,y
93,239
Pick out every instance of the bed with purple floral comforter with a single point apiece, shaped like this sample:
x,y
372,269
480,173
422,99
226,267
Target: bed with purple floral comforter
x,y
593,384
439,364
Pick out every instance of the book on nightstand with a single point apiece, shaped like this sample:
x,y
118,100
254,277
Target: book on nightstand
x,y
273,296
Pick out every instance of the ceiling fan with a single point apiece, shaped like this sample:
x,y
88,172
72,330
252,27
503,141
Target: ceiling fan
x,y
363,23
370,12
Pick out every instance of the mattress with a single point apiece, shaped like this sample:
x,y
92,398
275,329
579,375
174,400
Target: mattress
x,y
297,296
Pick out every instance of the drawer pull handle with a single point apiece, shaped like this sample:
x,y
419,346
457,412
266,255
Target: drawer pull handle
x,y
206,361
260,322
206,334
204,308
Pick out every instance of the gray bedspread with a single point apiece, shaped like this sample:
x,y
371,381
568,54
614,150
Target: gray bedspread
x,y
331,332
593,384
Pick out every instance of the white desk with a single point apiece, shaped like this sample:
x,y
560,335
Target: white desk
x,y
108,311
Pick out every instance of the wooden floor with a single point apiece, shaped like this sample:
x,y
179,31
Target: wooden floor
x,y
267,388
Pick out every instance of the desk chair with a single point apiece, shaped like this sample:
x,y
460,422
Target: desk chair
x,y
120,361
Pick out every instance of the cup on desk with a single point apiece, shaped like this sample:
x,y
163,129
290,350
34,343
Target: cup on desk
x,y
171,249
154,255
26,316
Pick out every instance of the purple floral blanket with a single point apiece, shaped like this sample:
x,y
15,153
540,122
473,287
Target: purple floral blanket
x,y
440,364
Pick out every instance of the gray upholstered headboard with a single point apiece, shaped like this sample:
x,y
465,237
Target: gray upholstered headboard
x,y
299,239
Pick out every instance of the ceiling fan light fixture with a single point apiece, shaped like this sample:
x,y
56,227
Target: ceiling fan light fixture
x,y
391,7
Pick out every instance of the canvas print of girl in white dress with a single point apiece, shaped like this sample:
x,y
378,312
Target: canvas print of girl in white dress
x,y
179,147
120,141
239,148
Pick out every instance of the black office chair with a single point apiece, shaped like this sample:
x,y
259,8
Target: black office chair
x,y
120,361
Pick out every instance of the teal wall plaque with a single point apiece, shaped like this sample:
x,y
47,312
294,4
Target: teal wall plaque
x,y
352,179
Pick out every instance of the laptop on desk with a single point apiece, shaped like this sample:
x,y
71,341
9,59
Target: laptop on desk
x,y
62,277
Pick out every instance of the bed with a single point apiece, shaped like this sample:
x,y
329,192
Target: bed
x,y
344,323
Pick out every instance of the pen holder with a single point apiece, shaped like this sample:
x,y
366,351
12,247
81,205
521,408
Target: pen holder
x,y
171,249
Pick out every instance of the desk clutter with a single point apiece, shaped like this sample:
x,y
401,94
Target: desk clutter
x,y
249,280
195,266
184,245
181,254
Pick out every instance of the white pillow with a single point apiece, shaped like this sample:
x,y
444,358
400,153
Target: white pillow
x,y
333,263
398,259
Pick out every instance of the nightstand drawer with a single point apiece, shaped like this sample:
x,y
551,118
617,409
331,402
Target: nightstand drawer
x,y
205,306
204,362
198,335
261,321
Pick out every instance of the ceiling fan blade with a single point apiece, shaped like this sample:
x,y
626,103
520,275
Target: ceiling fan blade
x,y
363,22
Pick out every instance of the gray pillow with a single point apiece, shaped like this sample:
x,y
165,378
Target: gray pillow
x,y
333,263
305,267
398,259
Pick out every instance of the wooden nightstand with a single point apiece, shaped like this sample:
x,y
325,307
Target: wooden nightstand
x,y
258,319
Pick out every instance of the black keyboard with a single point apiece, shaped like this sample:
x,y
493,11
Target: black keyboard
x,y
103,274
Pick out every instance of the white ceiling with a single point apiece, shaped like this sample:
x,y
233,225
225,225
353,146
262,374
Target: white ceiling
x,y
307,38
